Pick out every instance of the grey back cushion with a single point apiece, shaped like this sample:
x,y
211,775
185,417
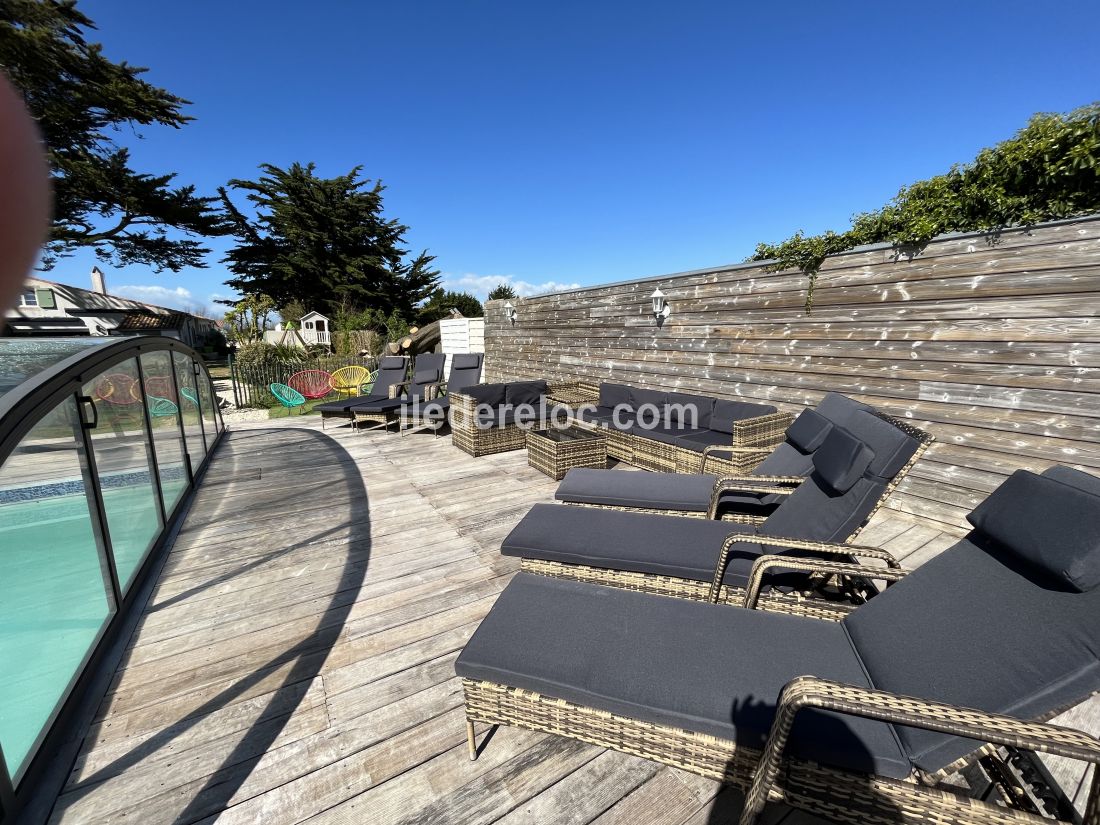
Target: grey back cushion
x,y
466,361
490,394
839,408
431,361
689,410
821,512
842,460
1047,524
392,362
892,446
615,395
465,372
655,398
726,412
524,392
808,430
973,628
1074,478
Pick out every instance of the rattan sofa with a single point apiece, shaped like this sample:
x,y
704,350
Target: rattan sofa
x,y
859,721
713,560
705,495
495,418
669,431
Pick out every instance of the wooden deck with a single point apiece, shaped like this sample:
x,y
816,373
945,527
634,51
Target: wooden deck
x,y
296,662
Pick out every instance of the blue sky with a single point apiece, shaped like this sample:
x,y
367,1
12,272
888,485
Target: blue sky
x,y
550,144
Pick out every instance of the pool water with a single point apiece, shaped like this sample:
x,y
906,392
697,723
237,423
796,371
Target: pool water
x,y
53,593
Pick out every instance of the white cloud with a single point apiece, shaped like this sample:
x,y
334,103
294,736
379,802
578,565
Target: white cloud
x,y
481,285
178,298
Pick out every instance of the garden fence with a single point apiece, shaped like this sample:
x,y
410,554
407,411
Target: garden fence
x,y
250,382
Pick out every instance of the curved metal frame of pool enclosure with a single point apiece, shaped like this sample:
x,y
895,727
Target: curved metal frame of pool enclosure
x,y
21,409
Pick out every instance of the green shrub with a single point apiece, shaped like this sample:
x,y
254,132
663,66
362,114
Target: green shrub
x,y
1049,170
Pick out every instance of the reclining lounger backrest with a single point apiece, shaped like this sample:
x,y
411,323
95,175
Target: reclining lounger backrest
x,y
1007,620
427,370
853,470
391,371
794,457
465,371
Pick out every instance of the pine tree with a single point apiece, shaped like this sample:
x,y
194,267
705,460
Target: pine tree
x,y
324,242
502,292
78,97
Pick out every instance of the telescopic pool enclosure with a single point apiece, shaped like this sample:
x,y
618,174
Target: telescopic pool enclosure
x,y
101,441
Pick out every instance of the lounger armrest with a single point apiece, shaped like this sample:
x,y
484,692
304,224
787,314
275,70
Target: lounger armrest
x,y
844,569
771,485
744,456
857,550
397,389
810,692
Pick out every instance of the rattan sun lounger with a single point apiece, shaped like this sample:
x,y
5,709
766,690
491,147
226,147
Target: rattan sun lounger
x,y
711,560
696,495
391,372
427,376
465,373
1001,628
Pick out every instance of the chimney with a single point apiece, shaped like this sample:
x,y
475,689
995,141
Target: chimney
x,y
99,283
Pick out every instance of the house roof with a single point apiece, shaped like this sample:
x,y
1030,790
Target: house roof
x,y
134,321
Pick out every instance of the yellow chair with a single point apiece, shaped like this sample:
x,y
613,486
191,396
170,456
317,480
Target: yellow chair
x,y
348,380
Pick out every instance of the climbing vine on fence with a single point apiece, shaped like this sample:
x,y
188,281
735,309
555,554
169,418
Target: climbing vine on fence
x,y
1049,170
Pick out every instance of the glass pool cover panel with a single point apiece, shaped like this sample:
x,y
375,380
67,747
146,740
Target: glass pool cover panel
x,y
53,588
123,463
22,358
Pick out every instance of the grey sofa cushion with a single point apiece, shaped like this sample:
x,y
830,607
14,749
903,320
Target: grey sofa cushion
x,y
707,668
489,394
1047,524
524,392
690,493
615,395
842,460
704,438
690,410
972,627
727,412
649,405
807,432
665,435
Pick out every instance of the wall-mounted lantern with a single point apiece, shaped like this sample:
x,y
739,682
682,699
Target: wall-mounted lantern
x,y
661,309
510,313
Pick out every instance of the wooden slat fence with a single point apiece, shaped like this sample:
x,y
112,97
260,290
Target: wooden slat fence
x,y
992,341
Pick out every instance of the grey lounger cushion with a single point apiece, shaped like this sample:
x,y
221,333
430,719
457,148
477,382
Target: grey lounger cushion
x,y
640,542
625,489
707,668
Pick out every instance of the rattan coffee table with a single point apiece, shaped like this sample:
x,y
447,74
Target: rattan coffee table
x,y
556,451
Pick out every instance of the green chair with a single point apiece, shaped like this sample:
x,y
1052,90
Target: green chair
x,y
160,407
287,396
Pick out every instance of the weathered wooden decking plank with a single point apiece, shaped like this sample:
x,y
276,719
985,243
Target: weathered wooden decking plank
x,y
296,662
